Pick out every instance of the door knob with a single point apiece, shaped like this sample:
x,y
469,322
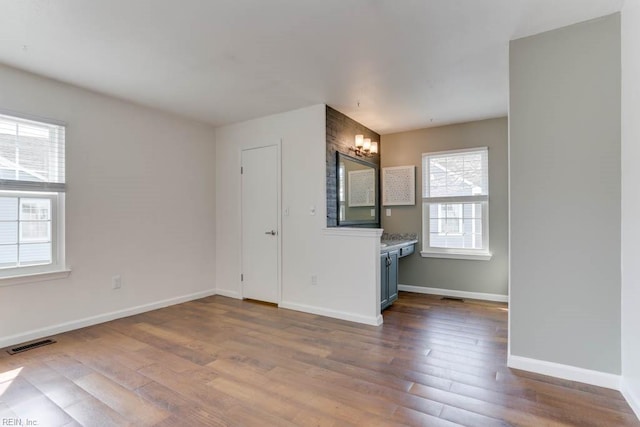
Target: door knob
x,y
272,232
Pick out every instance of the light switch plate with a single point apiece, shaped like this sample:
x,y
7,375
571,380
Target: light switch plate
x,y
388,212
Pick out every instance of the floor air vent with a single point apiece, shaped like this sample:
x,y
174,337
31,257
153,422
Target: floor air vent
x,y
452,299
30,346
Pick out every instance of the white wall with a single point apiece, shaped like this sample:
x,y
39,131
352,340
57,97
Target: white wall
x,y
564,153
631,202
139,203
307,249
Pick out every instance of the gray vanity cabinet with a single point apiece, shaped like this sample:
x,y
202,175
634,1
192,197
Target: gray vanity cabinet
x,y
388,278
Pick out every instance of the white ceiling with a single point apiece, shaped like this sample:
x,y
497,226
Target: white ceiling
x,y
409,63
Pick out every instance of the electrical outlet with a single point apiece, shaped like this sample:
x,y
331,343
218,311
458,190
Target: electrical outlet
x,y
314,280
388,212
373,212
116,282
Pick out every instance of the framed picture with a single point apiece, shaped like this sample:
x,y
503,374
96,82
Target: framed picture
x,y
399,186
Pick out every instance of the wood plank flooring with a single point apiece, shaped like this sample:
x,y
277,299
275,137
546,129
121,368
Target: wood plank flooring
x,y
224,362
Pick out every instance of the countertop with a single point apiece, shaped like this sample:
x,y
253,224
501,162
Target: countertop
x,y
392,245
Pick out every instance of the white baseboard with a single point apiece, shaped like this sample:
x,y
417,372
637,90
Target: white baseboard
x,y
228,293
454,293
631,397
566,372
342,315
101,318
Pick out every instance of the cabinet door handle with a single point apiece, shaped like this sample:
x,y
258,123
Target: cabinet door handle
x,y
272,232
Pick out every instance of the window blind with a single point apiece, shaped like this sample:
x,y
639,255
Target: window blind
x,y
456,174
32,155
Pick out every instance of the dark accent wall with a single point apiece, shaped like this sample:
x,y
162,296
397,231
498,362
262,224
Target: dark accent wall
x,y
341,132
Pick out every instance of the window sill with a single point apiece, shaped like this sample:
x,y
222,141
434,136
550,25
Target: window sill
x,y
478,256
20,279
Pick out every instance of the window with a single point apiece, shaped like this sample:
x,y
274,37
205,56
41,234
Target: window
x,y
455,204
341,191
32,186
449,219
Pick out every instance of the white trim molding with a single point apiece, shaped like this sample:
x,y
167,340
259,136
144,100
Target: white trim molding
x,y
342,315
632,399
101,318
228,293
479,256
35,277
454,293
566,372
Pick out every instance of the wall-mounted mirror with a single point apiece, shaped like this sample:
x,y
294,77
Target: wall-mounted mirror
x,y
358,192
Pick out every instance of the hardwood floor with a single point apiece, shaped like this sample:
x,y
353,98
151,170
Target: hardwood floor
x,y
220,361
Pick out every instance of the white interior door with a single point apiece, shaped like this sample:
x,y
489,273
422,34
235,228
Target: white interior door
x,y
260,231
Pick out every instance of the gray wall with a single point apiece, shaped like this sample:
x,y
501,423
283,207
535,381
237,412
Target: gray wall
x,y
631,201
565,195
406,148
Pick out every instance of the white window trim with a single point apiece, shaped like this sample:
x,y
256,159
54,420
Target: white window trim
x,y
428,251
35,277
32,117
56,190
57,268
458,254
